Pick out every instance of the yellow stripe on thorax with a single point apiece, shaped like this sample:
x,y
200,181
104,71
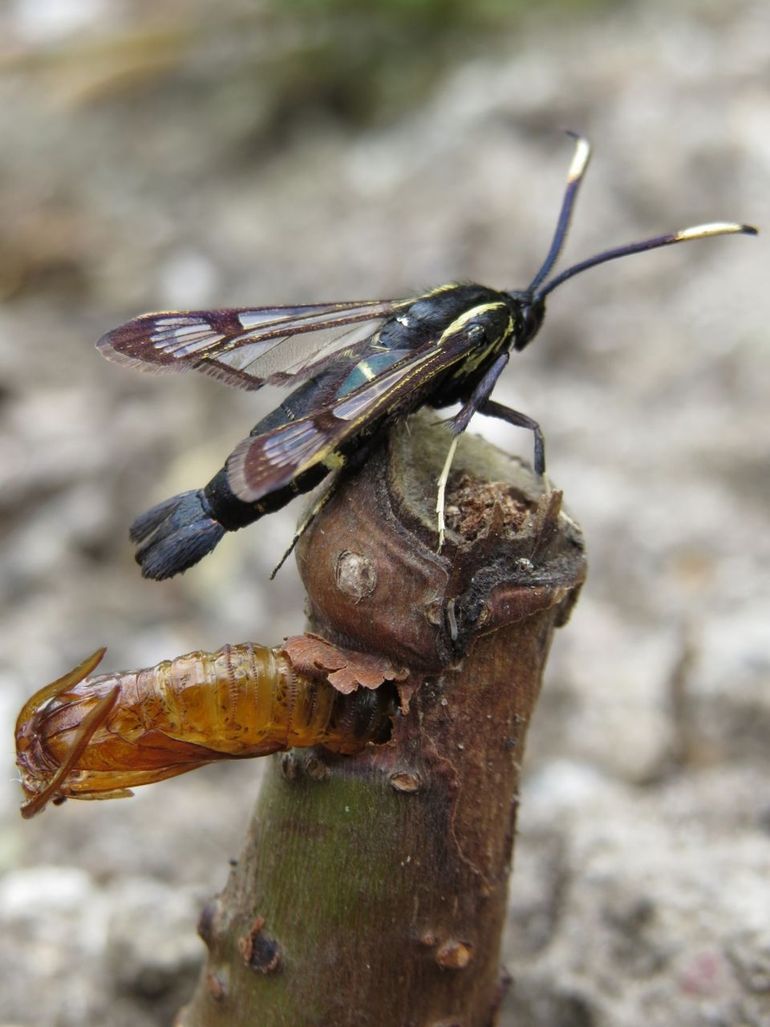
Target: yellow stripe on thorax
x,y
474,359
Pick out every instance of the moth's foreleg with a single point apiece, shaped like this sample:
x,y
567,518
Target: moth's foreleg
x,y
441,492
457,424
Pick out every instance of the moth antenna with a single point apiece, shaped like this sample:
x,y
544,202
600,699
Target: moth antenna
x,y
577,170
683,235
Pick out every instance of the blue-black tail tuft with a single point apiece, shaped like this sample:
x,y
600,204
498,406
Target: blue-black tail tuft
x,y
174,535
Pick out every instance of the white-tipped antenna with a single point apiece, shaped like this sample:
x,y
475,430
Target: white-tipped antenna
x,y
577,170
683,235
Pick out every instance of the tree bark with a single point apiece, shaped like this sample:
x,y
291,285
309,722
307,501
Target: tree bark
x,y
372,889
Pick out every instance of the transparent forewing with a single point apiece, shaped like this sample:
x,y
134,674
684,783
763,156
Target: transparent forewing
x,y
261,464
248,347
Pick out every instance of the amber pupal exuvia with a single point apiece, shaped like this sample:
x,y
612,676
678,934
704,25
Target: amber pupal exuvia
x,y
96,737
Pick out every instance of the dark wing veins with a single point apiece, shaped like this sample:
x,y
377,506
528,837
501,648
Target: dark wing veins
x,y
248,347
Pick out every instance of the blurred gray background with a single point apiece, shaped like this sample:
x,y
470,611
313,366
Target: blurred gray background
x,y
173,154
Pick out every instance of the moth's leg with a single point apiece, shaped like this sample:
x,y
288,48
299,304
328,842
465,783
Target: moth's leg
x,y
457,424
493,409
337,467
318,505
441,492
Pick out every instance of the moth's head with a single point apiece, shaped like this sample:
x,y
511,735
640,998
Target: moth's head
x,y
530,311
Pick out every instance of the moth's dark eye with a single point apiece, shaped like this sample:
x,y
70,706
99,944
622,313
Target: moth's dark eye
x,y
476,333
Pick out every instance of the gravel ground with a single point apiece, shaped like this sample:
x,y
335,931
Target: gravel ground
x,y
160,176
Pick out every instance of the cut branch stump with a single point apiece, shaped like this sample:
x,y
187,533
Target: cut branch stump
x,y
372,889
